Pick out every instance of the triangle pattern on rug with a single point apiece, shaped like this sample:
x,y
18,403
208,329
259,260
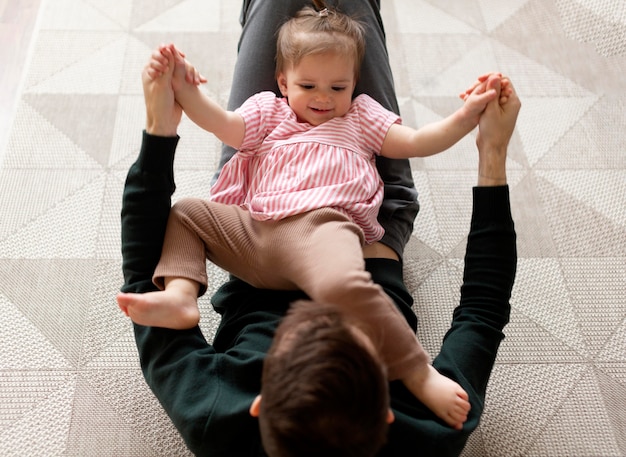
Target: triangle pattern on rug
x,y
424,18
527,341
592,143
614,351
472,14
108,244
17,341
76,45
513,385
533,231
539,136
541,294
120,438
425,57
425,227
24,198
79,78
51,416
145,11
581,404
602,190
421,264
614,393
495,14
129,396
599,299
115,351
119,11
188,16
435,300
105,324
87,119
532,79
597,237
56,301
136,57
127,134
37,144
67,230
606,17
463,72
75,15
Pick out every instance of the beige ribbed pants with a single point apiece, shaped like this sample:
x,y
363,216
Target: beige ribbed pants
x,y
319,252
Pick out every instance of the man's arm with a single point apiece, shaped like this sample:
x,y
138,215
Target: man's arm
x,y
149,185
470,346
145,209
205,393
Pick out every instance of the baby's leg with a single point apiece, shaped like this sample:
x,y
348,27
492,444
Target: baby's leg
x,y
175,307
442,395
330,268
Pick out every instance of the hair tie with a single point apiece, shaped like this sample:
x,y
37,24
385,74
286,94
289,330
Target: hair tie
x,y
323,13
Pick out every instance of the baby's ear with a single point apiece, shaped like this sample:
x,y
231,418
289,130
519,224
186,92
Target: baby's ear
x,y
282,83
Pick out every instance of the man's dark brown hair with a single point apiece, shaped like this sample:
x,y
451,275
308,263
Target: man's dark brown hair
x,y
324,389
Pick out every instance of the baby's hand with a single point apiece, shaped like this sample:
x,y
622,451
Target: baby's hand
x,y
505,84
184,69
184,72
476,100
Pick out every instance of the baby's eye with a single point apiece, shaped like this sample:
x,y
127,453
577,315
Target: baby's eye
x,y
339,88
307,86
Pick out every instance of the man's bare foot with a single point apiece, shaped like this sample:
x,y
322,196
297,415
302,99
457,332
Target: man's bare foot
x,y
442,395
170,308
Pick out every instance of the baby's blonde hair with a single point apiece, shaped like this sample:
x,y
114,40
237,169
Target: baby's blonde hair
x,y
317,32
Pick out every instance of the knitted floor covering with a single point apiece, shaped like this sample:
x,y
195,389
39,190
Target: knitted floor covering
x,y
70,383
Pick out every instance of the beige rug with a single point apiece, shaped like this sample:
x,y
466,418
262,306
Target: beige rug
x,y
69,378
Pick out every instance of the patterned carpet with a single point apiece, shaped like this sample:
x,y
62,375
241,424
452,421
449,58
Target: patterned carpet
x,y
69,378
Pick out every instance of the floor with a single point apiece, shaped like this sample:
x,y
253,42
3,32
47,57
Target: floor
x,y
17,22
69,378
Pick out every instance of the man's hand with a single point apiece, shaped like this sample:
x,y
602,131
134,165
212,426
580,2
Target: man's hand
x,y
495,129
163,114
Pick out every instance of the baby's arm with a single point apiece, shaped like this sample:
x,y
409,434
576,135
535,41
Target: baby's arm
x,y
404,142
228,126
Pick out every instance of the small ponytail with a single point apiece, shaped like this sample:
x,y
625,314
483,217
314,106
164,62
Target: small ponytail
x,y
317,29
320,5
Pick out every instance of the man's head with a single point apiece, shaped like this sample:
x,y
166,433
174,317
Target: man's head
x,y
324,389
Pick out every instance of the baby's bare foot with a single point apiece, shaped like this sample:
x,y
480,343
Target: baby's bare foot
x,y
167,308
443,396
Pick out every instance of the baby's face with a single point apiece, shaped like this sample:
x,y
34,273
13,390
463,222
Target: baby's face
x,y
319,88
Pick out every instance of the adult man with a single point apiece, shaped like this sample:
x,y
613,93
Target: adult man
x,y
208,389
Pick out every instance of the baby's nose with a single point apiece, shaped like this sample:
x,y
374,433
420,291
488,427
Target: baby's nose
x,y
323,97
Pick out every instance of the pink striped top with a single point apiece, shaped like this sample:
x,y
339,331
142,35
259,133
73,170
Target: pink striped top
x,y
285,167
